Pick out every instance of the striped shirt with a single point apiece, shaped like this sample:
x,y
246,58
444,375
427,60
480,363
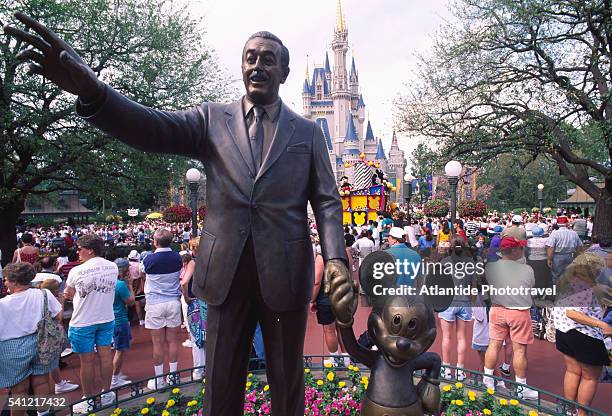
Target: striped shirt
x,y
471,228
564,241
163,270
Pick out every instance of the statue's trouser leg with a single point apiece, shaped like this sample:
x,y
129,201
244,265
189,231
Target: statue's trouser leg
x,y
229,338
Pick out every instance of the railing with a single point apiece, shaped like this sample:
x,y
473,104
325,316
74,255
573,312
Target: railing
x,y
548,403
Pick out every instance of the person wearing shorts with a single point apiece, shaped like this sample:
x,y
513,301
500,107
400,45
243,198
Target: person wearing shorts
x,y
509,315
163,306
91,286
122,334
321,305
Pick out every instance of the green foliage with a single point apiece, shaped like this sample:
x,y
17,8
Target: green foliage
x,y
436,208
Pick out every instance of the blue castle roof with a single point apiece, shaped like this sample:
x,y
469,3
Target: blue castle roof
x,y
322,122
315,75
306,89
360,103
351,132
380,151
352,152
369,133
353,70
327,68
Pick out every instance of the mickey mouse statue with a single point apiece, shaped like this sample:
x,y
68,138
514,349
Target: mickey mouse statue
x,y
345,185
403,328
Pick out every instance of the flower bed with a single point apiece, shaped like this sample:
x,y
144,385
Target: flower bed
x,y
326,393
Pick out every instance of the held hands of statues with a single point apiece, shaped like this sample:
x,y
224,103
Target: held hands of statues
x,y
55,60
342,291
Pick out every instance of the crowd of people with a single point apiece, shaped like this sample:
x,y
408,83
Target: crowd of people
x,y
90,276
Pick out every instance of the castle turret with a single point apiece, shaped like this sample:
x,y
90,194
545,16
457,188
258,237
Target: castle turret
x,y
340,93
369,143
396,167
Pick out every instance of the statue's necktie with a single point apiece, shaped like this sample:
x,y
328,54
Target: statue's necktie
x,y
256,136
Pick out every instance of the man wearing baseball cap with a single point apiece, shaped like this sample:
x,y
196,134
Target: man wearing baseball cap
x,y
400,251
561,247
515,229
509,315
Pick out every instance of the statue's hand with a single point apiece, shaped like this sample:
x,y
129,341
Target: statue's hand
x,y
342,291
56,60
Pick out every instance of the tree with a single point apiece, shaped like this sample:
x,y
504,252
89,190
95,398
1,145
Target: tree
x,y
151,51
522,77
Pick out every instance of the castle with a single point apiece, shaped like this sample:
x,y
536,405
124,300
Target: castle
x,y
332,98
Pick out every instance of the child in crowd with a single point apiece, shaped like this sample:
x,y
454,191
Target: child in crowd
x,y
124,296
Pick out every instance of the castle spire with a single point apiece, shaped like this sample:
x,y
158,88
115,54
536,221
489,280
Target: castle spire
x,y
340,23
369,133
327,67
394,141
380,151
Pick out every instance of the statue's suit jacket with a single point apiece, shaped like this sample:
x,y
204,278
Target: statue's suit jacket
x,y
269,205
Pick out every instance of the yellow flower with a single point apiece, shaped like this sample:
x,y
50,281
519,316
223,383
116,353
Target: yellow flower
x,y
327,365
266,387
144,411
503,402
490,390
192,403
453,401
165,413
341,384
170,403
307,370
458,385
203,391
448,387
319,382
330,376
513,402
459,402
118,411
176,390
150,400
533,413
487,412
249,384
250,375
472,398
364,380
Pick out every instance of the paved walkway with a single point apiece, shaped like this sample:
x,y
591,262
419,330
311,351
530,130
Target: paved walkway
x,y
546,366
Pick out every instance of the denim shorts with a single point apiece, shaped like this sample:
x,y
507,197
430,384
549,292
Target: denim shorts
x,y
462,312
122,336
84,338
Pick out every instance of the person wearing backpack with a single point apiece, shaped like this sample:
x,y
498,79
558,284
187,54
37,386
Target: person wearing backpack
x,y
22,367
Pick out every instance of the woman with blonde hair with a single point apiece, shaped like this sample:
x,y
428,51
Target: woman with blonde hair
x,y
580,330
196,313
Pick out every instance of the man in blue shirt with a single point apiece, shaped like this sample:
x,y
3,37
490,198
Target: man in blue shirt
x,y
408,258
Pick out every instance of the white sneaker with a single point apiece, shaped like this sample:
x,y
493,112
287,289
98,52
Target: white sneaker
x,y
118,382
86,406
188,343
198,374
107,398
501,384
161,384
65,387
528,394
347,360
329,361
66,352
460,375
446,373
489,382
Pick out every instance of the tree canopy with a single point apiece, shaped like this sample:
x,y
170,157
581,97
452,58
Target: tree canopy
x,y
151,51
529,77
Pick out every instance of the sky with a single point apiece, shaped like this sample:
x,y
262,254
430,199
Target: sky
x,y
384,37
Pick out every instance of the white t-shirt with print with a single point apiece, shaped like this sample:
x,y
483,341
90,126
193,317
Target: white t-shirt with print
x,y
94,282
20,312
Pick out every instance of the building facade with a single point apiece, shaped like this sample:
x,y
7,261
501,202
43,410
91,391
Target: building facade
x,y
332,98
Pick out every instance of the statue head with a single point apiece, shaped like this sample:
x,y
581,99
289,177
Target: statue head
x,y
402,329
265,65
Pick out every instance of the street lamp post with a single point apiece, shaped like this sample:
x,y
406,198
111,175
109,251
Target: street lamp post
x,y
453,170
193,179
540,198
408,192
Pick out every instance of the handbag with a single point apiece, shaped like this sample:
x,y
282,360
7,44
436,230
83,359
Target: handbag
x,y
51,337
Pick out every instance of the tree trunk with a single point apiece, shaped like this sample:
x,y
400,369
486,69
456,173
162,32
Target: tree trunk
x,y
9,214
602,227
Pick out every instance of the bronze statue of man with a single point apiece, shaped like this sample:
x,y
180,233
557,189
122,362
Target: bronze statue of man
x,y
263,164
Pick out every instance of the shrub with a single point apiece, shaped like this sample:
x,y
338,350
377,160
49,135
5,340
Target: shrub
x,y
436,208
177,213
472,208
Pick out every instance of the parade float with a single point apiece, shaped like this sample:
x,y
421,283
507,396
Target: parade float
x,y
368,194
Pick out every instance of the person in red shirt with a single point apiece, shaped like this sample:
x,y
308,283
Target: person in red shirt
x,y
459,231
68,241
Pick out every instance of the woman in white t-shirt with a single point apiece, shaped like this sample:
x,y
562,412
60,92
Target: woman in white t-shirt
x,y
20,313
536,258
